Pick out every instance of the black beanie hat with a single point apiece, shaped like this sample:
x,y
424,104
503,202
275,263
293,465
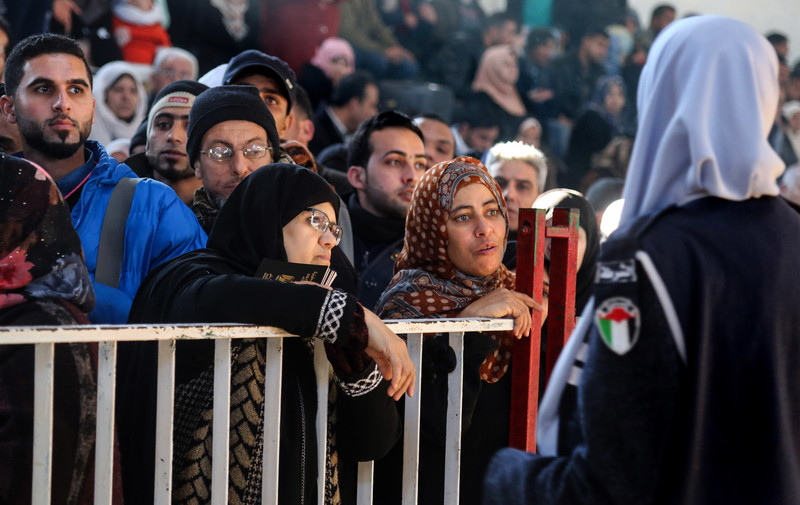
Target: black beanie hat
x,y
228,103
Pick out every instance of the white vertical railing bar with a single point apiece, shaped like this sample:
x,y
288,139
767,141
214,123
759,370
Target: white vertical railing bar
x,y
220,434
104,450
272,420
411,432
44,338
366,477
322,368
165,395
42,422
452,451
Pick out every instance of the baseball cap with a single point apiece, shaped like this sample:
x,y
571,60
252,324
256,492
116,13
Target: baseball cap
x,y
255,61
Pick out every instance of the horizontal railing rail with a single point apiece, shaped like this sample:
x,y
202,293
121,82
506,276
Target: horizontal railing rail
x,y
44,339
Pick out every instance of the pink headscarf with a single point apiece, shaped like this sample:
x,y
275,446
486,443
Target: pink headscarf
x,y
331,49
497,76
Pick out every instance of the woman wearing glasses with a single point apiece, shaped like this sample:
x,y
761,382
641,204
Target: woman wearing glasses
x,y
282,213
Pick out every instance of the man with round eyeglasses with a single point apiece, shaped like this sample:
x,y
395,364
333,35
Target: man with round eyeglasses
x,y
231,133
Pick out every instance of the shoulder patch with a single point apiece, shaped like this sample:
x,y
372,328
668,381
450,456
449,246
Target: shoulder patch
x,y
610,272
618,321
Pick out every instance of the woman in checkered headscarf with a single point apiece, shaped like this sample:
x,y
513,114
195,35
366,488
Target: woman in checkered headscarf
x,y
451,266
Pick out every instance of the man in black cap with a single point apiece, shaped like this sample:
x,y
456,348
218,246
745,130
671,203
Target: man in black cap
x,y
231,133
275,81
165,157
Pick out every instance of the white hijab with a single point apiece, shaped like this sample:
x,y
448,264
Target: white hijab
x,y
107,126
707,99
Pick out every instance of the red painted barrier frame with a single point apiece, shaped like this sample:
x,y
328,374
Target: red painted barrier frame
x,y
532,231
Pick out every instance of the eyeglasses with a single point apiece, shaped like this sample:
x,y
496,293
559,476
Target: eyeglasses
x,y
224,153
320,222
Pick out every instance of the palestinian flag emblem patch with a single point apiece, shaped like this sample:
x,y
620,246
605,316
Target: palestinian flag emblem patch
x,y
618,322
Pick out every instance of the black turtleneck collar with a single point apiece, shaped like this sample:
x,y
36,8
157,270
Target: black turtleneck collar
x,y
375,229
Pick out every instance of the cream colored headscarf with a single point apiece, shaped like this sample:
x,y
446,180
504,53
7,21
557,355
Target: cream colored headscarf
x,y
107,126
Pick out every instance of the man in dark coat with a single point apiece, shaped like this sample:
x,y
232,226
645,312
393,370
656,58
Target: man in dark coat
x,y
386,159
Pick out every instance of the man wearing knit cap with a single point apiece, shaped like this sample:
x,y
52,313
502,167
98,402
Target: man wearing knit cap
x,y
165,157
275,81
231,133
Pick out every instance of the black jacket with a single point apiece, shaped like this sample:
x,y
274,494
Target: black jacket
x,y
377,242
325,132
703,407
218,285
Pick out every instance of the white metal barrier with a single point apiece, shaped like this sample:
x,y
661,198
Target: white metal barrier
x,y
45,337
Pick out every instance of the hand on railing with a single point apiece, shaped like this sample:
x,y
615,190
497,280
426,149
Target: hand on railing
x,y
391,354
504,302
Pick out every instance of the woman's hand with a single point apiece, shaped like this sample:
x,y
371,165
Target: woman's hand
x,y
504,302
391,354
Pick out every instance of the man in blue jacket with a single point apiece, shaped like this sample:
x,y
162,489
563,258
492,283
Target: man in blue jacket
x,y
49,96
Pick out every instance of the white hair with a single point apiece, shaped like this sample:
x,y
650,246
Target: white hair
x,y
162,53
519,151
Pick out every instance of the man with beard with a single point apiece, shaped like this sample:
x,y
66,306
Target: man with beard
x,y
231,133
49,97
386,159
165,158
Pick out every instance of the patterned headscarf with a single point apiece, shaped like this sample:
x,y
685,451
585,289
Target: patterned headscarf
x,y
40,252
426,283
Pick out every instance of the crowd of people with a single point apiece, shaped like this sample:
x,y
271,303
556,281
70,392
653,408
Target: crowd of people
x,y
221,179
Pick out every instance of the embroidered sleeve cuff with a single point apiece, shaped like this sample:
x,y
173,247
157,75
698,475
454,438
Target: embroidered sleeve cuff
x,y
334,317
347,355
359,384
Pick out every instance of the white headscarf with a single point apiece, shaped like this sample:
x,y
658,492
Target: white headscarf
x,y
107,126
707,99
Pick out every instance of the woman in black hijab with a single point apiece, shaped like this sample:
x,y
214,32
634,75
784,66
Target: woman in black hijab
x,y
284,213
588,251
588,237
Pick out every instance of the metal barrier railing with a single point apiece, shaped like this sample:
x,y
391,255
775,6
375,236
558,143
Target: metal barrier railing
x,y
44,339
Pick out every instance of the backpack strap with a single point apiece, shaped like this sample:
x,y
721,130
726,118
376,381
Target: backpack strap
x,y
112,234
